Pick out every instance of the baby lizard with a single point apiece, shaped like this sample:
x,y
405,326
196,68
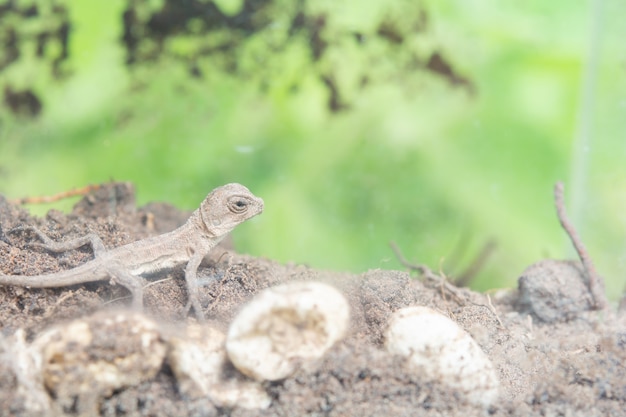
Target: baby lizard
x,y
220,212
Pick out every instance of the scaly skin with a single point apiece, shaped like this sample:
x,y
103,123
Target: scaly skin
x,y
220,212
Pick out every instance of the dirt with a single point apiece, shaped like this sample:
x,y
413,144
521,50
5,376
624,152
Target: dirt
x,y
554,355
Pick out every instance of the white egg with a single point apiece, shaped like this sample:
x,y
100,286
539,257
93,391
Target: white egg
x,y
439,350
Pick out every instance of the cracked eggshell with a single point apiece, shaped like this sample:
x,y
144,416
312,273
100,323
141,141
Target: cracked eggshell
x,y
21,390
284,327
97,355
198,359
439,350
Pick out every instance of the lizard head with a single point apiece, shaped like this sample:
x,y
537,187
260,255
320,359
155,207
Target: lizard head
x,y
227,206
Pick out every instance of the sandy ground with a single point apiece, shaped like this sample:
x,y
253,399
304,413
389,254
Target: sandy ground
x,y
554,357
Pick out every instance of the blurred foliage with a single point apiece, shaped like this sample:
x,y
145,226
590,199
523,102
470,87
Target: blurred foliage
x,y
439,125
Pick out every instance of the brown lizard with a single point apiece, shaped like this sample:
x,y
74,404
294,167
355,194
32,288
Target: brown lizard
x,y
220,212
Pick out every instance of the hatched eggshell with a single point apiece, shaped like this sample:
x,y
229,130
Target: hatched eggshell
x,y
22,389
439,350
284,327
197,359
94,356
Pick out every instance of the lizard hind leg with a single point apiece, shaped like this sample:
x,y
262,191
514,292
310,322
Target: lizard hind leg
x,y
50,245
132,283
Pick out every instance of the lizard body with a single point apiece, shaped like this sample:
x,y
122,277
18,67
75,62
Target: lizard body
x,y
220,212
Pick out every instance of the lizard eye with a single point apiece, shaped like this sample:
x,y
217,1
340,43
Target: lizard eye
x,y
237,205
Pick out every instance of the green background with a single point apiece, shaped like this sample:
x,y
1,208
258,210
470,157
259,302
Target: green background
x,y
441,169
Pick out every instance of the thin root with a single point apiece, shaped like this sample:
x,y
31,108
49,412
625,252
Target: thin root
x,y
59,196
476,265
428,276
127,297
494,311
594,280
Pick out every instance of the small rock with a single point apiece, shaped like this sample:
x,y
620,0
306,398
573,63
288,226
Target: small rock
x,y
285,327
438,350
554,290
198,360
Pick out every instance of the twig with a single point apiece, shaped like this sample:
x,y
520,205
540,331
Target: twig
x,y
428,275
56,197
221,256
459,249
470,272
422,269
494,311
594,280
445,285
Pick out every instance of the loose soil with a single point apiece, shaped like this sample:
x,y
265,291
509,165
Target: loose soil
x,y
549,363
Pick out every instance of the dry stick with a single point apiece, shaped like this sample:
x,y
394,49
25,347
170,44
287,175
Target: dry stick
x,y
459,249
494,311
422,269
470,272
460,299
595,287
56,197
427,274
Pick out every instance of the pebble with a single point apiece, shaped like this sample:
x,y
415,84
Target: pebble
x,y
554,291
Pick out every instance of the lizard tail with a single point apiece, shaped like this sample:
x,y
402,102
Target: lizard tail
x,y
79,275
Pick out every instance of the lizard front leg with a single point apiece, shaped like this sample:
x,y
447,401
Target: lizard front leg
x,y
191,278
48,244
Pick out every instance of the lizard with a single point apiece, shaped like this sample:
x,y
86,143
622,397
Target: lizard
x,y
221,211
